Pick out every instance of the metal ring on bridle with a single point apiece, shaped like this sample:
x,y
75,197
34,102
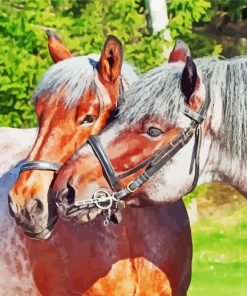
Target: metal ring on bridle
x,y
128,187
103,196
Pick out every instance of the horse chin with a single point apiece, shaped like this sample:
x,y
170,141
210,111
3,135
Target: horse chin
x,y
90,216
44,234
83,217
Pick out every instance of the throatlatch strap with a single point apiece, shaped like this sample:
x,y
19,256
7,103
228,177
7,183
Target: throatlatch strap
x,y
196,153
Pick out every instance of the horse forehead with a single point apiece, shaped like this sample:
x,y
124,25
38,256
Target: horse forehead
x,y
74,75
102,91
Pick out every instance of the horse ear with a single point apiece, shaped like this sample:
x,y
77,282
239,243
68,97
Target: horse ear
x,y
110,62
57,50
180,52
192,86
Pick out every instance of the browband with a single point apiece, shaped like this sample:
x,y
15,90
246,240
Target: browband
x,y
198,117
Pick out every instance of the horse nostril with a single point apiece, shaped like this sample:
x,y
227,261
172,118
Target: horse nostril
x,y
39,205
23,219
70,195
35,207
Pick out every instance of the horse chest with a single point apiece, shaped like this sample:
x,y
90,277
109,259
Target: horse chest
x,y
132,276
100,263
138,256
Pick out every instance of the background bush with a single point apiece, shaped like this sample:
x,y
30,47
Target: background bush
x,y
83,25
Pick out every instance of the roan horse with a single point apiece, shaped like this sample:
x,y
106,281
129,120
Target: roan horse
x,y
84,76
15,268
119,260
181,125
74,100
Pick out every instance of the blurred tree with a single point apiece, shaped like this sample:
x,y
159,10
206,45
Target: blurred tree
x,y
235,10
158,22
184,15
158,17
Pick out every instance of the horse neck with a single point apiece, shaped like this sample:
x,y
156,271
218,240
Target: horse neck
x,y
218,164
222,167
223,152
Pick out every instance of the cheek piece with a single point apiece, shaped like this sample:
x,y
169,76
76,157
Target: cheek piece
x,y
111,203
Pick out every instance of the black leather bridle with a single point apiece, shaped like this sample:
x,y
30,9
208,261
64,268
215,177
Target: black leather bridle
x,y
105,200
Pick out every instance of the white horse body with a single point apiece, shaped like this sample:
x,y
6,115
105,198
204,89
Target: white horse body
x,y
15,274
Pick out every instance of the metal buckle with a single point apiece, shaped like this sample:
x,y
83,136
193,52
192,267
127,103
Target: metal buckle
x,y
129,189
108,218
186,135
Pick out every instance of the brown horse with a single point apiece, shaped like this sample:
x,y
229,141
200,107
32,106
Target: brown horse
x,y
119,260
16,269
181,125
85,77
74,100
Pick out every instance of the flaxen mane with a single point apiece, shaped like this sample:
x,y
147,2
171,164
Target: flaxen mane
x,y
77,74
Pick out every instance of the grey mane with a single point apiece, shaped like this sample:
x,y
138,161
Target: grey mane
x,y
157,93
78,74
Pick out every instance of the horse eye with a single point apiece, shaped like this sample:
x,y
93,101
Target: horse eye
x,y
89,119
154,132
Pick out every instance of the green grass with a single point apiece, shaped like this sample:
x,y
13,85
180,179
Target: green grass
x,y
220,256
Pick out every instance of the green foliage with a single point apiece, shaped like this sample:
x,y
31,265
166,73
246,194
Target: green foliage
x,y
198,191
233,8
184,15
220,257
83,25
